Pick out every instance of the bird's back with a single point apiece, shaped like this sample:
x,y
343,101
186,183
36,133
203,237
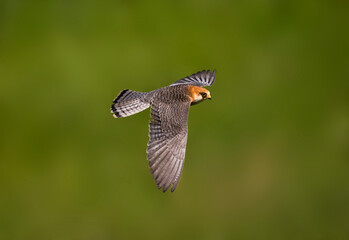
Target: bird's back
x,y
169,94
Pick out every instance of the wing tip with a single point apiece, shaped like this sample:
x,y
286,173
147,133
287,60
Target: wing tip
x,y
164,189
200,78
213,76
208,76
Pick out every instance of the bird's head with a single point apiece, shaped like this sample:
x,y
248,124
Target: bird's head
x,y
198,94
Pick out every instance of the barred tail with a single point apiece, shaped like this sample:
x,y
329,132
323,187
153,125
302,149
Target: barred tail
x,y
128,102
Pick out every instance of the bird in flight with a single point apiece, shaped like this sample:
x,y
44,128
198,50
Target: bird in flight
x,y
168,127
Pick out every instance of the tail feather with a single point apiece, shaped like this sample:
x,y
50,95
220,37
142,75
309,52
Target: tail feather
x,y
129,102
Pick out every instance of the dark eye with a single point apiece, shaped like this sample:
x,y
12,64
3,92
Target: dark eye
x,y
204,95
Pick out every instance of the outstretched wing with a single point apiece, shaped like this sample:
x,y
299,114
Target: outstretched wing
x,y
200,79
168,131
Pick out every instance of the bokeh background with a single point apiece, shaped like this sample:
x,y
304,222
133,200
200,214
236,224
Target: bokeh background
x,y
267,158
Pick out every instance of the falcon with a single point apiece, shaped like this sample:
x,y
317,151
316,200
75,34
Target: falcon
x,y
168,127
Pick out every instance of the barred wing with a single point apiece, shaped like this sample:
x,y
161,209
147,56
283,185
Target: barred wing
x,y
200,79
168,131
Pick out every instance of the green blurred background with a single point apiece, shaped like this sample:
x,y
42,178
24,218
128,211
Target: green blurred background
x,y
266,159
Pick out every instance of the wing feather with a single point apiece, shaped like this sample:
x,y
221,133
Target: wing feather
x,y
165,170
168,132
166,182
200,79
178,174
